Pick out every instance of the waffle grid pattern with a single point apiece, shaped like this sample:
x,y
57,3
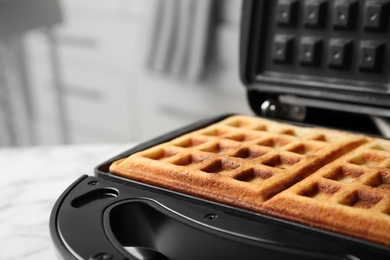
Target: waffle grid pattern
x,y
247,149
329,179
350,195
360,179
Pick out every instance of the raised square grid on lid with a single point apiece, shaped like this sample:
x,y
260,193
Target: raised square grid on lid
x,y
343,44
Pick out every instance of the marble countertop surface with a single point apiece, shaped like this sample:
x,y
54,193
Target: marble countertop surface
x,y
31,181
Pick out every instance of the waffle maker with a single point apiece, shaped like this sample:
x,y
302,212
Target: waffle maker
x,y
332,57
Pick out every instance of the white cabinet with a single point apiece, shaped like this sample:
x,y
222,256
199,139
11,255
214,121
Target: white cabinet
x,y
109,95
93,56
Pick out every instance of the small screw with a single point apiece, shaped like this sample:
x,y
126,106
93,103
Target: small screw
x,y
368,58
101,256
373,17
279,51
211,216
269,108
93,183
297,110
307,54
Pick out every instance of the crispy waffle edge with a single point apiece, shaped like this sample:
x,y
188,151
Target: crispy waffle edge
x,y
270,167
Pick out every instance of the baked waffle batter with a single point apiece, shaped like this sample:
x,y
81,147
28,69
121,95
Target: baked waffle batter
x,y
325,178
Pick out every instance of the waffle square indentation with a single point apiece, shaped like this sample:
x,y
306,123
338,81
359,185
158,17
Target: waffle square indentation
x,y
381,181
249,153
243,137
160,154
190,142
246,123
320,191
360,199
327,138
190,160
367,159
282,162
287,132
305,149
221,166
275,142
219,148
254,175
344,174
318,137
380,147
215,132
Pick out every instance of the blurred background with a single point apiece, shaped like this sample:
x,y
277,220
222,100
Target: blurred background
x,y
99,71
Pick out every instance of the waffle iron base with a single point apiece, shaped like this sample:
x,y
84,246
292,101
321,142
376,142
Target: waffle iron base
x,y
110,217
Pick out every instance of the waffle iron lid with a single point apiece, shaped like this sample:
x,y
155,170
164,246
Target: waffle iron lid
x,y
314,52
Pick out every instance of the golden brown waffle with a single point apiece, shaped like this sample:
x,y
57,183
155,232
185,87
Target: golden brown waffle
x,y
350,195
315,176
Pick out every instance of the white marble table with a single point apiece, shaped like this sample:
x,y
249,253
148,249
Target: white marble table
x,y
31,181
